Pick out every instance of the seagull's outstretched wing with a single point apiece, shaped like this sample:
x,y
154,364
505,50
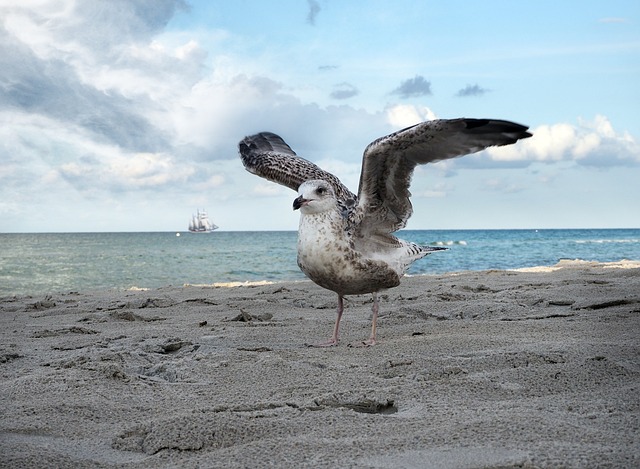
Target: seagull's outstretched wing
x,y
268,156
388,163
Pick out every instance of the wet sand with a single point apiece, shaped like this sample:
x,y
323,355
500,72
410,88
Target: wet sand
x,y
535,368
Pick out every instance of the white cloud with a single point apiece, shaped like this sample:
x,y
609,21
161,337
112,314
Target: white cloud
x,y
594,143
401,116
347,172
137,170
437,191
50,151
270,189
549,143
214,181
501,185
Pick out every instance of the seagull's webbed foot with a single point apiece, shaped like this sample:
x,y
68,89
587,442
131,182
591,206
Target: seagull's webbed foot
x,y
332,342
365,343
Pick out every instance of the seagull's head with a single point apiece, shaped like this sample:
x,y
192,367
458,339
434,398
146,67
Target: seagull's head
x,y
315,196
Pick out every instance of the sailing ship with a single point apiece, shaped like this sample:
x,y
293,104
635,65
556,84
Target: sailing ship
x,y
200,223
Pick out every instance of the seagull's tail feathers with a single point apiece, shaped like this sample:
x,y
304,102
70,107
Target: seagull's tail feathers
x,y
418,251
399,254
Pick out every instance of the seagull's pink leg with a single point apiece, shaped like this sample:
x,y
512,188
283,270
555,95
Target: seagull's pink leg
x,y
374,309
334,338
372,338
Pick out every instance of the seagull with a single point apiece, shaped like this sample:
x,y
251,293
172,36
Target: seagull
x,y
345,241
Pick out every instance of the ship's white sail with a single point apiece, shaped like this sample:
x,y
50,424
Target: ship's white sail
x,y
200,223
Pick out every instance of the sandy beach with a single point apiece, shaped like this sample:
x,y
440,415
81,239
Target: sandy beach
x,y
532,368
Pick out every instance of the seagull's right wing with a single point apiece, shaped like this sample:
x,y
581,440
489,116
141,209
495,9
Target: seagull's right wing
x,y
388,163
268,156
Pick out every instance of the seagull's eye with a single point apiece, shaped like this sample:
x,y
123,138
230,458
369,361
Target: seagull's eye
x,y
320,190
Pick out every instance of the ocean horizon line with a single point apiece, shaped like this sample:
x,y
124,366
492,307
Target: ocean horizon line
x,y
295,230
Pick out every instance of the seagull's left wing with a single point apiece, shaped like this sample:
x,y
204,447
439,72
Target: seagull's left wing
x,y
268,156
388,163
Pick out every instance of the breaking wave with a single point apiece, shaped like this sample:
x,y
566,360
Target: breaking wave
x,y
449,243
604,241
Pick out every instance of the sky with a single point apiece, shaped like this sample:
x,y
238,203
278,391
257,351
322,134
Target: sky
x,y
125,115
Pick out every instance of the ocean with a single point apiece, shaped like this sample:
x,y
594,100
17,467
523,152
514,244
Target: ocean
x,y
42,263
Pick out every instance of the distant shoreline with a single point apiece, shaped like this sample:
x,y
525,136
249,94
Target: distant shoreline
x,y
621,264
222,230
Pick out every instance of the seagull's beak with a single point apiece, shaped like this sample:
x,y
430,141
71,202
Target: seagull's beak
x,y
299,202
